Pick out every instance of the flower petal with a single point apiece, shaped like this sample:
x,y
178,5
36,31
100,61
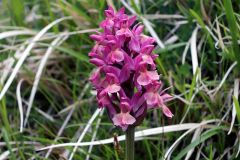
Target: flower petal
x,y
123,119
124,74
107,24
98,62
117,56
125,107
113,88
109,12
103,99
166,97
121,11
138,29
128,119
166,111
147,49
96,37
147,59
134,44
143,79
153,75
124,32
137,101
95,77
151,98
117,120
111,69
131,20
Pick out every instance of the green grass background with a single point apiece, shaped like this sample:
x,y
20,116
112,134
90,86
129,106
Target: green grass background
x,y
64,82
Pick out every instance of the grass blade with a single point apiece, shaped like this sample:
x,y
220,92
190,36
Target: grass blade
x,y
26,53
16,10
235,93
237,107
233,28
43,62
6,138
94,116
199,140
170,150
139,135
19,99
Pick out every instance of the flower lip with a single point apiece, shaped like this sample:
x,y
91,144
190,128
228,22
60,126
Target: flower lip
x,y
123,120
117,56
112,88
146,77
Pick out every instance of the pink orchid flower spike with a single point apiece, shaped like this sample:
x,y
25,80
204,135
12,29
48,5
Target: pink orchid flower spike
x,y
126,79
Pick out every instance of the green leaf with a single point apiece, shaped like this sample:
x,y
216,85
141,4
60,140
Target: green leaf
x,y
236,104
16,10
202,24
199,140
233,28
73,53
192,87
71,9
7,140
70,52
134,5
170,47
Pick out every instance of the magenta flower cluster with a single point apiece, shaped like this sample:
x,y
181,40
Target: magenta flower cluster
x,y
126,78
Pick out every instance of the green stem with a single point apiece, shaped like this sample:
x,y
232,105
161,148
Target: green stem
x,y
130,143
